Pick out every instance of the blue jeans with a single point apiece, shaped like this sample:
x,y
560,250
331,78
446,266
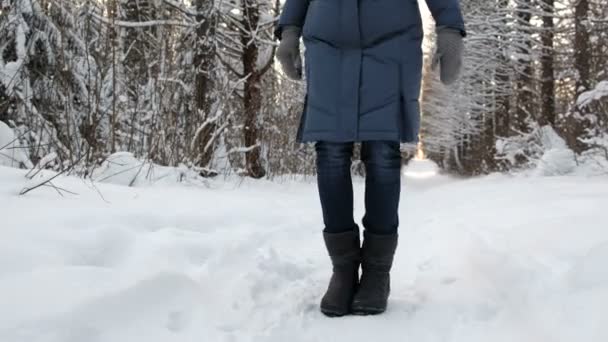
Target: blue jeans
x,y
382,161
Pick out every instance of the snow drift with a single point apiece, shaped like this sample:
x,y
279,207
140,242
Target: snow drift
x,y
490,259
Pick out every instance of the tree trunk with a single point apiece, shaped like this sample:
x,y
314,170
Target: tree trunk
x,y
112,11
204,60
547,116
524,82
576,125
503,80
252,97
581,46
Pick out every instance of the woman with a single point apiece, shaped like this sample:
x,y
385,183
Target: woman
x,y
363,72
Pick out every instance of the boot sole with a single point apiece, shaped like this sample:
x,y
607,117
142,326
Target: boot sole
x,y
333,312
367,311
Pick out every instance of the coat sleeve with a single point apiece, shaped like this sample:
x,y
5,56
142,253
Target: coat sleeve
x,y
293,14
447,13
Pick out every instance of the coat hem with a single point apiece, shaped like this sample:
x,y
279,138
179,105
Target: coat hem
x,y
362,136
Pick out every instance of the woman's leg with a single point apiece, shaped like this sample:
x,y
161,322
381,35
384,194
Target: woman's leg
x,y
341,234
382,161
335,185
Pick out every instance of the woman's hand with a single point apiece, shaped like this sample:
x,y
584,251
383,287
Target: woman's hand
x,y
288,52
449,52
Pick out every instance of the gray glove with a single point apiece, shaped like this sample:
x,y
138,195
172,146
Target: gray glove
x,y
449,52
288,52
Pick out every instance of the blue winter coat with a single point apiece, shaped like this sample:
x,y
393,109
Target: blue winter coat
x,y
363,66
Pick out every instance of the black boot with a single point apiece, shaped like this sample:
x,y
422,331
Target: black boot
x,y
345,253
374,287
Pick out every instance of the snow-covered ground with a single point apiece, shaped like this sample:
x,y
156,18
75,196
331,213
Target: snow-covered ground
x,y
490,259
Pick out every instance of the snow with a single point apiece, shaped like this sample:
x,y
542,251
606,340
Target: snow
x,y
600,91
11,152
422,169
557,157
556,161
139,24
123,168
497,258
8,74
547,154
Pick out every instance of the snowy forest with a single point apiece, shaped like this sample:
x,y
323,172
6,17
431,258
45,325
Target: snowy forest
x,y
194,84
152,188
